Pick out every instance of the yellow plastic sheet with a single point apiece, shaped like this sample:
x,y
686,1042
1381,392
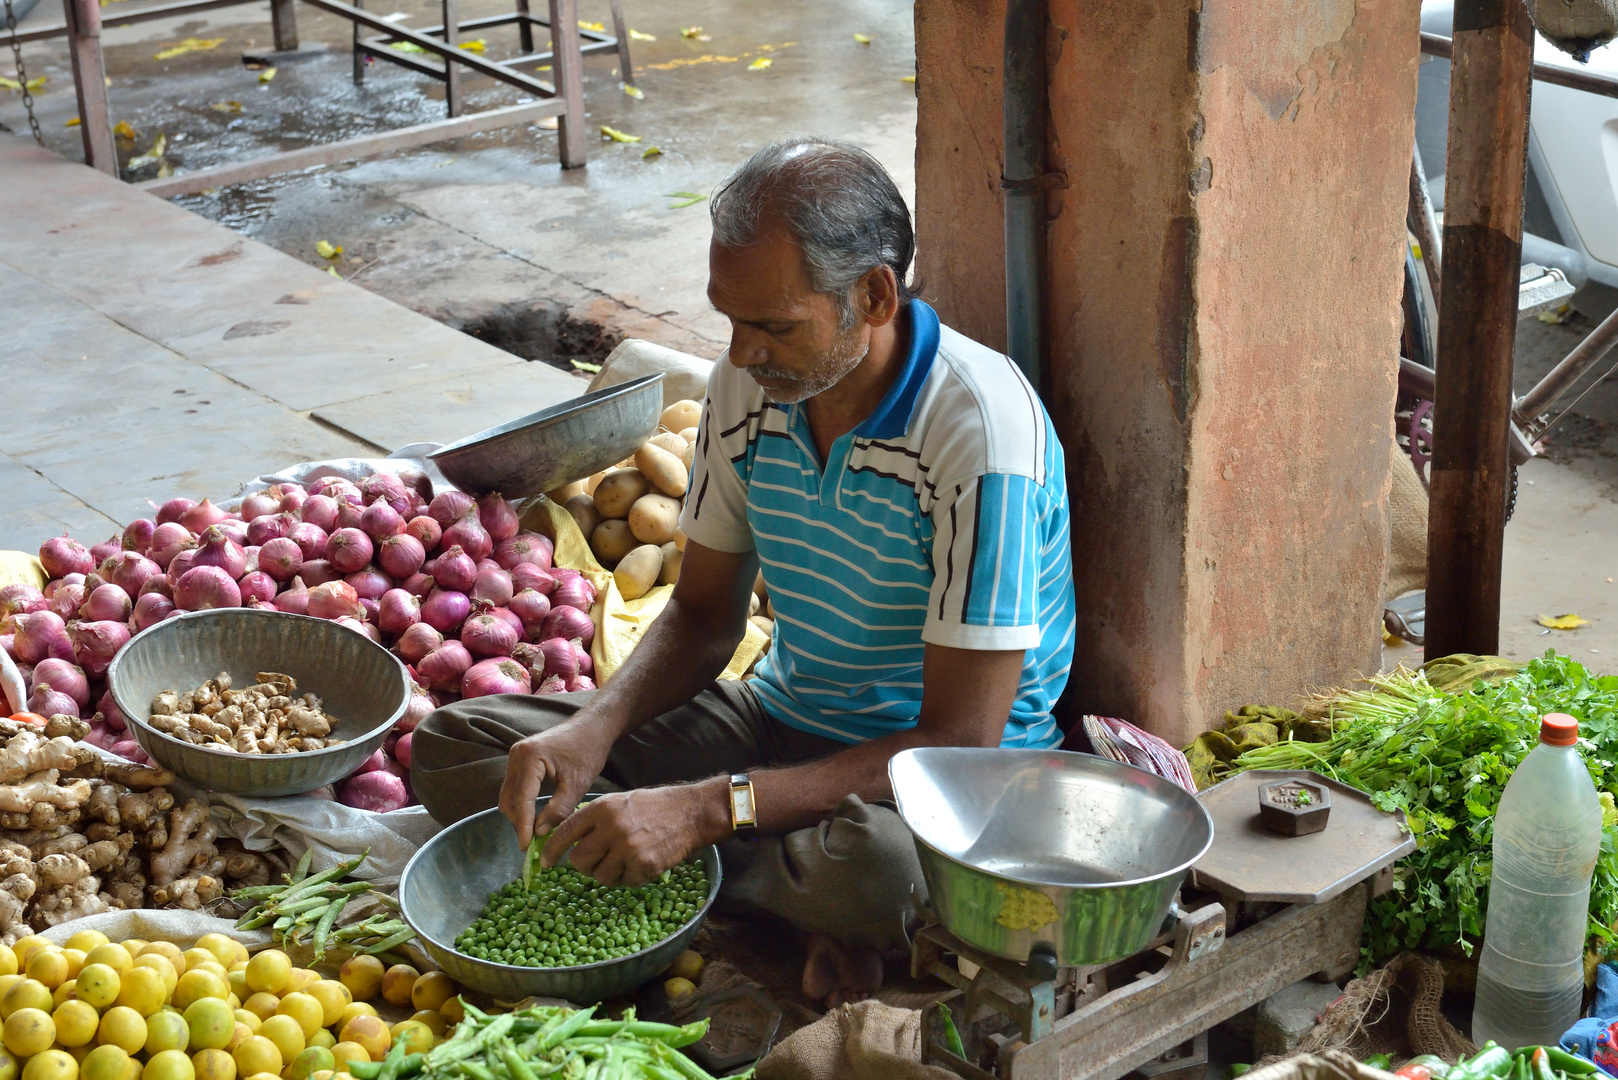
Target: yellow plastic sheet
x,y
21,568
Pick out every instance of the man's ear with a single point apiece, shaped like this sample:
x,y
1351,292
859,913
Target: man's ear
x,y
877,296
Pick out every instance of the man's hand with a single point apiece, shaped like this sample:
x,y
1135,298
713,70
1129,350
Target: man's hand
x,y
570,756
631,837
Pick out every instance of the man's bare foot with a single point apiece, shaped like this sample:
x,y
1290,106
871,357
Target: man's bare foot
x,y
838,973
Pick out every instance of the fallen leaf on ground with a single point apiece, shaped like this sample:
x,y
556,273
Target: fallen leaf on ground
x,y
327,250
636,35
190,44
862,39
75,121
543,67
690,31
406,47
332,270
760,64
123,130
226,106
476,45
652,151
599,28
618,136
585,365
633,91
13,84
687,61
1563,622
152,156
907,78
687,198
266,75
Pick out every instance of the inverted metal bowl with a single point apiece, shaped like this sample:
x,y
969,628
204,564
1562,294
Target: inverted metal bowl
x,y
1026,846
359,682
558,445
447,882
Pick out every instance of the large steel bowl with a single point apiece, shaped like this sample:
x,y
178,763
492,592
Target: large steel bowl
x,y
555,446
447,882
359,682
1027,846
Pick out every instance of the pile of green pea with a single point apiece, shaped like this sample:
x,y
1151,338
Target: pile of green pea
x,y
567,919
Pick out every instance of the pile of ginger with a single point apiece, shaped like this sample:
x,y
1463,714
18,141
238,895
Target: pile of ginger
x,y
80,834
267,717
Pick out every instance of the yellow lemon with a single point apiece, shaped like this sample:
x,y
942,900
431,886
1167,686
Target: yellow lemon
x,y
142,989
214,1065
170,1065
264,1076
371,1033
133,946
362,975
269,971
257,1054
136,1067
345,1052
358,1008
237,981
191,958
287,1035
62,993
75,962
263,1004
97,985
397,983
301,979
161,964
196,985
312,1060
85,940
432,990
417,1036
47,967
252,1020
305,1010
10,1067
26,946
453,1010
238,1035
167,949
333,997
106,1062
8,961
7,982
166,1030
212,1022
123,1027
28,1032
111,955
51,1065
322,1038
26,994
435,1021
220,947
76,1023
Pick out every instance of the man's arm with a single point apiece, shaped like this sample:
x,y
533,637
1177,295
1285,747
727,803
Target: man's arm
x,y
684,650
633,837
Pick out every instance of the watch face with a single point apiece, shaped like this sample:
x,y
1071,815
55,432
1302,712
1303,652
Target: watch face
x,y
741,805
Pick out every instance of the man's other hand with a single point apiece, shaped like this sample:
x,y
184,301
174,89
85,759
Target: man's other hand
x,y
570,756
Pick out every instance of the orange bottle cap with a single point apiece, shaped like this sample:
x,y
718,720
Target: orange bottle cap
x,y
1558,729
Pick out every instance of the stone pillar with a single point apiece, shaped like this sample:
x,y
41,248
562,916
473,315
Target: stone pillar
x,y
1223,300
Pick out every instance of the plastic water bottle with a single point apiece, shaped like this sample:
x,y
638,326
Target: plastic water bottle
x,y
1547,834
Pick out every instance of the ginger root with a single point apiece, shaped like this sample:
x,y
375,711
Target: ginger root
x,y
43,788
265,718
188,892
189,843
28,753
245,868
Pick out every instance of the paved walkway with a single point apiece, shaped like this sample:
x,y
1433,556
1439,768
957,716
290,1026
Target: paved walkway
x,y
146,352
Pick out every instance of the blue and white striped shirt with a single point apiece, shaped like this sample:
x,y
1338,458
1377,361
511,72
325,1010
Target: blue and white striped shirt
x,y
941,518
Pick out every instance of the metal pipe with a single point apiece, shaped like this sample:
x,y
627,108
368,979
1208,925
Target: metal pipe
x,y
1424,223
1023,181
1585,355
1591,82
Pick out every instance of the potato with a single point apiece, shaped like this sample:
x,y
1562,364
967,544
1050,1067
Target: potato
x,y
679,540
689,435
681,415
769,610
627,463
672,557
753,605
618,492
668,441
611,541
637,572
689,457
593,482
560,495
662,468
583,509
766,625
654,518
760,590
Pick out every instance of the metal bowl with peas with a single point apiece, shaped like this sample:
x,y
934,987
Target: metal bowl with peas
x,y
566,936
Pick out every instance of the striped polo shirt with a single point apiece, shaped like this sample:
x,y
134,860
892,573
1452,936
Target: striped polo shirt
x,y
941,518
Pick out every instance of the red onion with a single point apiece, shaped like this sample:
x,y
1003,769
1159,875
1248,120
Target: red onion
x,y
371,764
160,585
403,748
130,571
419,708
445,609
67,600
138,534
525,548
568,622
172,510
505,615
444,666
368,609
560,659
426,530
19,597
40,635
455,569
260,504
291,496
318,572
488,564
319,484
485,635
349,515
387,489
102,736
219,550
530,656
267,527
63,675
96,643
489,677
257,585
586,665
493,587
369,583
281,558
294,599
100,552
359,626
310,538
417,481
130,750
235,531
349,550
205,587
111,715
400,555
449,507
530,607
381,521
469,535
181,563
150,609
551,684
63,555
499,520
583,682
168,540
320,511
398,611
334,599
107,602
576,593
47,701
417,641
201,516
419,584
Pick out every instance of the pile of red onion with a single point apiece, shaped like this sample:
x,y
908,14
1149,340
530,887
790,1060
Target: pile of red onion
x,y
447,582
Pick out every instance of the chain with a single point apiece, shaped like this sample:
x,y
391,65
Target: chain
x,y
22,74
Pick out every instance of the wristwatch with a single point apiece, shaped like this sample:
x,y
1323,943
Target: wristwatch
x,y
743,814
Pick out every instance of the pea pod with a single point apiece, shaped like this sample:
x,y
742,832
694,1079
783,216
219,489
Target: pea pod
x,y
952,1037
568,1028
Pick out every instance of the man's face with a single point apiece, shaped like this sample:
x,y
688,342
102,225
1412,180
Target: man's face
x,y
783,333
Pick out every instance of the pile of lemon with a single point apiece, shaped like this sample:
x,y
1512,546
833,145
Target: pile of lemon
x,y
147,1010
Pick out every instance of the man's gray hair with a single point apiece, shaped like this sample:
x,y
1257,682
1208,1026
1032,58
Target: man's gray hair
x,y
841,207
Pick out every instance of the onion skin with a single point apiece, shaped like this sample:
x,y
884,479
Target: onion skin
x,y
493,586
138,535
257,585
294,599
497,517
64,676
448,507
181,563
107,602
419,584
39,635
160,585
455,569
19,598
310,538
402,749
569,623
321,512
63,555
551,685
100,552
318,572
487,636
378,792
530,607
130,571
470,536
281,559
168,540
387,489
201,516
532,657
333,600
583,682
586,665
489,677
401,555
398,611
219,550
202,588
417,641
445,609
349,515
150,608
111,715
67,600
171,510
235,531
96,643
426,530
381,521
444,666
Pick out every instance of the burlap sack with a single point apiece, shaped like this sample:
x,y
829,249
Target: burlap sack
x,y
864,1041
1394,1011
1407,514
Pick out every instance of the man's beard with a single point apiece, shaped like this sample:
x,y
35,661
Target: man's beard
x,y
843,357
